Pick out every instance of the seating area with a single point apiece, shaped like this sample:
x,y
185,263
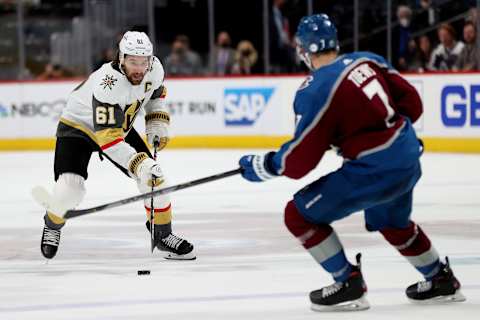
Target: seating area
x,y
67,35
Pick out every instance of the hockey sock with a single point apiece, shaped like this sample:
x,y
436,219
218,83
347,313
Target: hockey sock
x,y
414,245
53,221
68,192
162,218
321,242
160,215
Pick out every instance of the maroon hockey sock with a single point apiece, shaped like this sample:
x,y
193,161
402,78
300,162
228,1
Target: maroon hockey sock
x,y
414,245
308,233
321,242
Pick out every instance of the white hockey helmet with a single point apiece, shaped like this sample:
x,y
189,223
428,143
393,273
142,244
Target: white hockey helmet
x,y
136,44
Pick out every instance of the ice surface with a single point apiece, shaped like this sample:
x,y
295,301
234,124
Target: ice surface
x,y
248,266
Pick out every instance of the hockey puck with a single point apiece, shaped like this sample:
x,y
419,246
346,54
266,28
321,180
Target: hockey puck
x,y
143,272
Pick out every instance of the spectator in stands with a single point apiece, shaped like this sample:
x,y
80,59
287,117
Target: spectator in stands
x,y
424,53
411,62
472,15
107,56
223,55
446,54
246,58
282,52
469,57
182,61
427,16
403,36
53,71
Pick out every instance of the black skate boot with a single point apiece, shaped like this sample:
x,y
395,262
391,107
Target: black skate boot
x,y
443,287
50,239
343,296
174,247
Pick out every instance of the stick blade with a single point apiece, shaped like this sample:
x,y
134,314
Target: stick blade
x,y
45,199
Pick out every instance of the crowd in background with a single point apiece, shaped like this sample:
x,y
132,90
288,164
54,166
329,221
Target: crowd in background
x,y
422,39
182,60
455,49
223,60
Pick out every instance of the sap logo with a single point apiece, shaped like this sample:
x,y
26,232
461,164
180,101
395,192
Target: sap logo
x,y
243,106
458,105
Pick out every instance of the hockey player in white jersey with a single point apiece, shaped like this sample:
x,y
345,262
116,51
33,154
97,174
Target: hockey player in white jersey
x,y
98,117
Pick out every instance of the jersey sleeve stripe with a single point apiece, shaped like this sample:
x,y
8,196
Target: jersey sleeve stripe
x,y
159,93
159,115
111,144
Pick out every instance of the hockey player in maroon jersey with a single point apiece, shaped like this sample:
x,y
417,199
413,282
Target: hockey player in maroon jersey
x,y
360,106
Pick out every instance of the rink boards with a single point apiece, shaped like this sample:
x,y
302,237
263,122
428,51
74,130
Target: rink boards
x,y
241,112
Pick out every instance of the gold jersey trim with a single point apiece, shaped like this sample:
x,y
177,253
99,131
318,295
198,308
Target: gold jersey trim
x,y
108,135
80,127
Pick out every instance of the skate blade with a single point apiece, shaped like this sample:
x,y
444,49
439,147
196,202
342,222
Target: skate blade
x,y
456,297
173,256
347,306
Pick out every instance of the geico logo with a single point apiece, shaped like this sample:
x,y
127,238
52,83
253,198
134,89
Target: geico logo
x,y
460,104
244,106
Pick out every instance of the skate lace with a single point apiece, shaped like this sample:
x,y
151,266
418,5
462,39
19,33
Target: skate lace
x,y
424,286
51,236
331,289
172,241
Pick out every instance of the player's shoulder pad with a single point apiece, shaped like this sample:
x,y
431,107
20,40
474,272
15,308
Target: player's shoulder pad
x,y
321,85
157,73
375,58
313,90
108,84
320,81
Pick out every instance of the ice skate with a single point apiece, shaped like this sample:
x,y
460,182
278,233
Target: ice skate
x,y
443,287
174,247
50,242
342,296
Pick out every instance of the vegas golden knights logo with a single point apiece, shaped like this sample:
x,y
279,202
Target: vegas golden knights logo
x,y
148,86
131,111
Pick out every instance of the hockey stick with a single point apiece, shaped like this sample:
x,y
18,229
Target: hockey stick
x,y
156,143
43,197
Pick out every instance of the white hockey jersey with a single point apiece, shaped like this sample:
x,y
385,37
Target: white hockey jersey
x,y
106,104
